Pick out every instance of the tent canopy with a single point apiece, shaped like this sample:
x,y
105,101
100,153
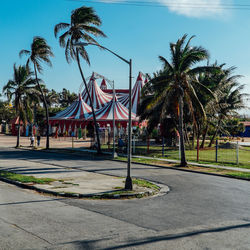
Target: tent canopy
x,y
98,97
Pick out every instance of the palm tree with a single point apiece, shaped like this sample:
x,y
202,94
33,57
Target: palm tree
x,y
40,52
177,82
51,96
21,88
230,100
66,98
84,23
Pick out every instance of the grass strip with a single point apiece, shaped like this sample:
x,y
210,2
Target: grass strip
x,y
204,169
144,183
239,175
24,178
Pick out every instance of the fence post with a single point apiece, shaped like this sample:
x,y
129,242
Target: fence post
x,y
216,150
134,144
237,153
148,141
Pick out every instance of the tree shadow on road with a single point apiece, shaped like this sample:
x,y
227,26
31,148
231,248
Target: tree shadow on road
x,y
143,242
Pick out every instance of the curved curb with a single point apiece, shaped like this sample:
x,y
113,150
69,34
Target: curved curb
x,y
163,190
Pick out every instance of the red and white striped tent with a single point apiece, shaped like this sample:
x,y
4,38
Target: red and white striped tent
x,y
136,95
104,115
99,98
72,116
103,85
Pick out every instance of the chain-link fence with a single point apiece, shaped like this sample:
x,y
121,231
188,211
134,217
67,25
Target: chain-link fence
x,y
222,152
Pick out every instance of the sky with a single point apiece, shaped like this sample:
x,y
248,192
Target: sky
x,y
137,30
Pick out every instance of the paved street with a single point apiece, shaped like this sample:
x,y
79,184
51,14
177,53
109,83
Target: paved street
x,y
200,211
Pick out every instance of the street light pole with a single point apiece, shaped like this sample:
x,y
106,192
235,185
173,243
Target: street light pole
x,y
114,153
112,84
128,183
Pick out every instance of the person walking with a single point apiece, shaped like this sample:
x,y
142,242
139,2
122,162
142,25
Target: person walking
x,y
32,139
38,140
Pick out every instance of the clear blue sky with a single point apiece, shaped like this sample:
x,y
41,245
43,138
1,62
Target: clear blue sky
x,y
138,32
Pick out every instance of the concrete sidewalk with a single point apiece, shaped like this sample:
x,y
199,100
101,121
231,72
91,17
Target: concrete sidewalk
x,y
70,182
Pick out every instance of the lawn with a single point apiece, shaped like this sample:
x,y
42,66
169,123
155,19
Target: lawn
x,y
211,170
207,155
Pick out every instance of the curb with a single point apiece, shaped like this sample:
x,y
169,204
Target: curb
x,y
158,166
107,195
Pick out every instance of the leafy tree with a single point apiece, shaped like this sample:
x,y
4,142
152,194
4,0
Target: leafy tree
x,y
40,52
234,127
21,89
84,23
7,113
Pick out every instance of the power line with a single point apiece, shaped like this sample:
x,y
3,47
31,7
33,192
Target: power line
x,y
223,6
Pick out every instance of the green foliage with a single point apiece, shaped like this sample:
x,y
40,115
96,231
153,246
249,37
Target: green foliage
x,y
7,112
66,98
21,90
154,133
239,175
234,127
172,91
144,183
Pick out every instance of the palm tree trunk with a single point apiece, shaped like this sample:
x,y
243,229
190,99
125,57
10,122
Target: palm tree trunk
x,y
193,139
46,109
99,151
204,137
186,135
215,133
18,134
181,134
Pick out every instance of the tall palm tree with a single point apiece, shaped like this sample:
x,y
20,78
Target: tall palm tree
x,y
84,23
21,88
40,52
177,83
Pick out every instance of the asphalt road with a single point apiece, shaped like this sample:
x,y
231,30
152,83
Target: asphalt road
x,y
200,212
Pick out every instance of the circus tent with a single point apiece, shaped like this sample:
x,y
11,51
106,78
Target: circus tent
x,y
105,115
136,95
75,114
79,113
99,98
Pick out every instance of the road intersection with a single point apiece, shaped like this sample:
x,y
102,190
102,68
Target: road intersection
x,y
199,212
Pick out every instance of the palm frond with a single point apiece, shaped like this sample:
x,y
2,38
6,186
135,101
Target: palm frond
x,y
24,52
59,27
